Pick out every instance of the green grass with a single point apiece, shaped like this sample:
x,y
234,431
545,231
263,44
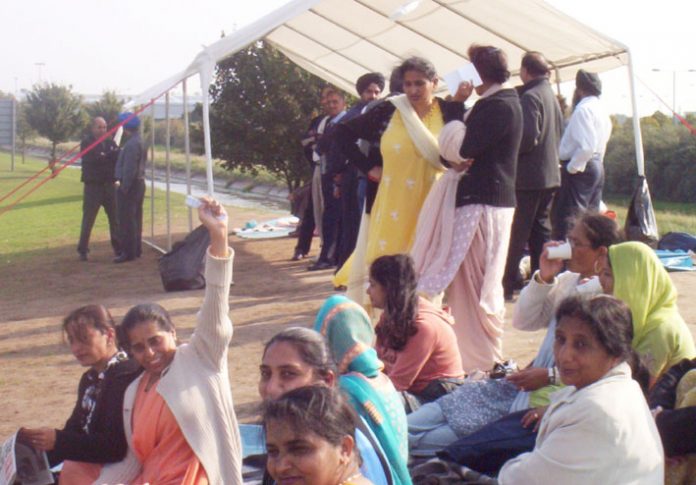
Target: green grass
x,y
670,216
50,217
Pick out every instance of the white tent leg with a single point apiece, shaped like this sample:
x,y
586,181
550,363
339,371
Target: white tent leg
x,y
187,152
167,145
206,74
637,136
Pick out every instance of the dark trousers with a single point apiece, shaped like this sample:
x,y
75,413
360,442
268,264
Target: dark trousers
x,y
330,221
96,195
530,224
487,449
350,215
130,218
579,192
306,230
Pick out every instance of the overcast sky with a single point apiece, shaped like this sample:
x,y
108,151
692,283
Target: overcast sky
x,y
130,45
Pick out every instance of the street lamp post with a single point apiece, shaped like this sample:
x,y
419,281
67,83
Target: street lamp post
x,y
674,89
40,65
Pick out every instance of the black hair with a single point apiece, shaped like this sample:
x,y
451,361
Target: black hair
x,y
145,312
599,229
611,323
310,345
418,64
396,274
96,316
490,62
535,64
396,81
318,409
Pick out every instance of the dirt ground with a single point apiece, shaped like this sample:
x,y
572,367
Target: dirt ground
x,y
39,376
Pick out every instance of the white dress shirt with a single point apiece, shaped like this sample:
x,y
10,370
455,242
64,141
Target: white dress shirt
x,y
586,136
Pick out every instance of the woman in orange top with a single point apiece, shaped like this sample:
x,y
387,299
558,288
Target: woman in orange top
x,y
180,421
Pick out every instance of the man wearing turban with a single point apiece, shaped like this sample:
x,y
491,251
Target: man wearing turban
x,y
130,180
582,151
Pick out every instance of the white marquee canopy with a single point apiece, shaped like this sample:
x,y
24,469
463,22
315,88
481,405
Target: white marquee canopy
x,y
339,40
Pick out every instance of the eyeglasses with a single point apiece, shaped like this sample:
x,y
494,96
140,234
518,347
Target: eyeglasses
x,y
574,243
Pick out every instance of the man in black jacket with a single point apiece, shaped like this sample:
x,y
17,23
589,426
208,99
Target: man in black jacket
x,y
98,176
538,175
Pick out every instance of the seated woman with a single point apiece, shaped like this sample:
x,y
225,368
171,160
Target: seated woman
x,y
477,403
310,436
673,403
93,434
599,428
297,357
179,416
633,273
415,339
350,336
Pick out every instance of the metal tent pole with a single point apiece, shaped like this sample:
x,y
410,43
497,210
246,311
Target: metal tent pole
x,y
152,172
167,158
187,152
637,136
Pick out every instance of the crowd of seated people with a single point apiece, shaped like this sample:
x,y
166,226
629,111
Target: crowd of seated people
x,y
375,392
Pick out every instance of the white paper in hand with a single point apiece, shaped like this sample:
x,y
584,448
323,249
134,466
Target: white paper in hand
x,y
465,73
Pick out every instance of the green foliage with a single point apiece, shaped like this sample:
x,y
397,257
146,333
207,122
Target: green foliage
x,y
25,132
55,113
670,159
262,104
108,107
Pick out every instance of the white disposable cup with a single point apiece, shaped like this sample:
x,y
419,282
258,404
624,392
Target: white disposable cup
x,y
562,251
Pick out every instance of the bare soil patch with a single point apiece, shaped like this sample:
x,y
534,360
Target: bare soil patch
x,y
39,377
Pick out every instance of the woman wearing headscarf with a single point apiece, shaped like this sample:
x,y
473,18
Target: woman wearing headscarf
x,y
350,336
406,164
633,273
463,240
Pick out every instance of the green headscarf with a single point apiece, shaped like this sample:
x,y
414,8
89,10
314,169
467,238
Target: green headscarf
x,y
660,335
642,282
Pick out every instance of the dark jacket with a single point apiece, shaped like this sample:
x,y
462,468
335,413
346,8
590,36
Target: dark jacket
x,y
98,164
106,440
677,427
537,166
131,162
493,135
370,127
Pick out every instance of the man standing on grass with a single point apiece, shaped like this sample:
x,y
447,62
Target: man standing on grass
x,y
130,193
538,175
582,151
98,176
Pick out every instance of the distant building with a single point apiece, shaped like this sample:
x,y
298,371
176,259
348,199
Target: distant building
x,y
176,104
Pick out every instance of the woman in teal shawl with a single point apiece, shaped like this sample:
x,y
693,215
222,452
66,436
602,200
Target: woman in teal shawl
x,y
350,336
635,275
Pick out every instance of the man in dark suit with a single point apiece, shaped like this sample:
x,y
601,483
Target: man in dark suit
x,y
538,175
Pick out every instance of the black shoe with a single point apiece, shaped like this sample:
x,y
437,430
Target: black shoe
x,y
297,256
123,258
83,256
320,265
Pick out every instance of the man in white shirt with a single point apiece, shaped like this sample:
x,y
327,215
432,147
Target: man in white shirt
x,y
582,151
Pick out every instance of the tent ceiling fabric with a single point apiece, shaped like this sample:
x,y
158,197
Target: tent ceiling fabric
x,y
341,39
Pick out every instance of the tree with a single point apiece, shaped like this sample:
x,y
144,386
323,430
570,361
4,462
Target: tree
x,y
24,130
261,105
55,113
108,107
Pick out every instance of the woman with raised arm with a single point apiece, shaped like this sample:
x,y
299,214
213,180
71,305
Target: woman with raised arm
x,y
179,417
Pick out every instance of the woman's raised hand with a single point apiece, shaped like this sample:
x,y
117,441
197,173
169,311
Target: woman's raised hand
x,y
549,268
463,91
214,217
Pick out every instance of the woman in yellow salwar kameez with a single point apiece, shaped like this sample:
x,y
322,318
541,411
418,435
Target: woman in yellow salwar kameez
x,y
406,165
